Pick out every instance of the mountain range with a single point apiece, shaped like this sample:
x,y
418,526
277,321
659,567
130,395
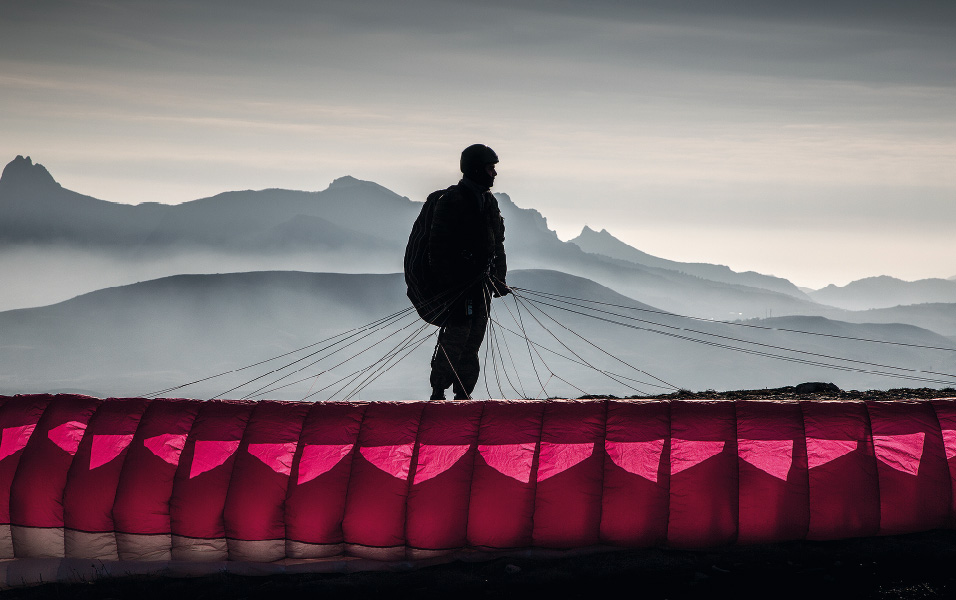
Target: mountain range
x,y
352,226
56,244
886,292
603,243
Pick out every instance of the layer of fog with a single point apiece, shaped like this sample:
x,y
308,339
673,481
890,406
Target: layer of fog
x,y
147,337
43,275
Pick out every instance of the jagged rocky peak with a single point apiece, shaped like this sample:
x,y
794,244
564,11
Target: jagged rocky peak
x,y
530,216
592,236
587,231
23,171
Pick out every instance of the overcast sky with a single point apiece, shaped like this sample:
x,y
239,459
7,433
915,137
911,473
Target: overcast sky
x,y
813,140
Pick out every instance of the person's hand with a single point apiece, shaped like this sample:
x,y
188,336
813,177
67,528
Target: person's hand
x,y
499,290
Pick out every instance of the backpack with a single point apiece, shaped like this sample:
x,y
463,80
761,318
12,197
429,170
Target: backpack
x,y
421,288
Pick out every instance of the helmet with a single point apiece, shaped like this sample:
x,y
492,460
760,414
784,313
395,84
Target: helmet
x,y
475,157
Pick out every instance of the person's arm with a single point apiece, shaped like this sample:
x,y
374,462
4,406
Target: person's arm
x,y
499,267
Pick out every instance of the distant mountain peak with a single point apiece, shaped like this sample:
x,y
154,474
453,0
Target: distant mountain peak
x,y
348,182
867,282
345,181
884,291
23,171
602,242
587,231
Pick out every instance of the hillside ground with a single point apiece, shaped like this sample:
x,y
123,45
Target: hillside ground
x,y
896,567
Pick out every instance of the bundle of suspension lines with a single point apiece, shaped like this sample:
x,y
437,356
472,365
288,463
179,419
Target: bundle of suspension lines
x,y
401,333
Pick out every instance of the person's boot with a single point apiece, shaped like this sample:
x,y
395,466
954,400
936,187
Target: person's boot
x,y
461,395
437,394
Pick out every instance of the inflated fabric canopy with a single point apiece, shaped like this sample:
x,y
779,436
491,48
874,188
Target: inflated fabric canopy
x,y
154,480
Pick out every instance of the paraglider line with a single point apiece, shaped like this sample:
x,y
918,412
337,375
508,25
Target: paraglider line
x,y
579,357
397,349
734,339
262,362
757,352
289,374
569,359
735,323
520,323
501,356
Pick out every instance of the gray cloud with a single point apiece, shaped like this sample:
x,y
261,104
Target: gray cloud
x,y
682,104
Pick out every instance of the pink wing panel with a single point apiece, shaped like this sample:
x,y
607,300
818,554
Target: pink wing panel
x,y
438,500
18,421
502,491
205,469
915,491
636,497
772,461
37,490
844,488
260,478
146,483
703,463
315,505
378,487
570,475
946,415
413,479
94,476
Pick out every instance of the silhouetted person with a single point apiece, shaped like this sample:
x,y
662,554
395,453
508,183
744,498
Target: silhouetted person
x,y
460,239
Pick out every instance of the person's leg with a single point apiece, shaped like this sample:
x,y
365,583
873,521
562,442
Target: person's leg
x,y
451,341
469,365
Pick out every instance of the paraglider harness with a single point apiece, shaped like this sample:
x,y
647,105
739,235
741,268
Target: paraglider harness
x,y
431,303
